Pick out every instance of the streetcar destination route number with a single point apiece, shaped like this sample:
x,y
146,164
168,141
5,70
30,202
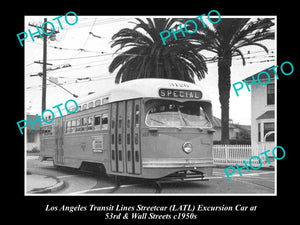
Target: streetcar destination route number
x,y
172,93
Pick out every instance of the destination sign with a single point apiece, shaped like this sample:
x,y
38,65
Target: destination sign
x,y
173,93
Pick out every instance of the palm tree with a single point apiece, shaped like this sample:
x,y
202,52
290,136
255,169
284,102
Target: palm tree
x,y
145,56
226,39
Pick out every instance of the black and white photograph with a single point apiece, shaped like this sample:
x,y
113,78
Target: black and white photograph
x,y
144,105
152,106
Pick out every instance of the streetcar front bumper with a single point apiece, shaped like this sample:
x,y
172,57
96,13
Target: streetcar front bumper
x,y
177,162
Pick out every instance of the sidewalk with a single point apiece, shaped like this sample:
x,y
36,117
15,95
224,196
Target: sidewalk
x,y
265,166
37,184
270,166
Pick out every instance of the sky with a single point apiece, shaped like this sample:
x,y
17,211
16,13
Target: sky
x,y
80,55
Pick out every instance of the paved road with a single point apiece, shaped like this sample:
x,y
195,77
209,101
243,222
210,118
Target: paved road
x,y
79,182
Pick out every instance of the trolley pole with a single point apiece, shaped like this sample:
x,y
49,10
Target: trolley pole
x,y
44,84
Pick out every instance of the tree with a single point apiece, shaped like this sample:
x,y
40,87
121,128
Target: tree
x,y
226,39
145,56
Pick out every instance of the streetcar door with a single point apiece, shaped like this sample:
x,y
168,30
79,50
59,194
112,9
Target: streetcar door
x,y
113,137
121,136
59,141
137,136
129,137
125,137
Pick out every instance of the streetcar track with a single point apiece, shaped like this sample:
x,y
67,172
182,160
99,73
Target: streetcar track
x,y
158,188
257,184
158,185
115,185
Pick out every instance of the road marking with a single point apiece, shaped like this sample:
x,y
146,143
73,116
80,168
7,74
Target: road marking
x,y
67,176
237,175
103,188
131,185
32,157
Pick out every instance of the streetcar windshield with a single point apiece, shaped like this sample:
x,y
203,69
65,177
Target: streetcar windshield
x,y
176,114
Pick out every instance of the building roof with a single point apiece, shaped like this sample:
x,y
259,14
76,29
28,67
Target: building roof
x,y
263,76
36,124
267,115
217,123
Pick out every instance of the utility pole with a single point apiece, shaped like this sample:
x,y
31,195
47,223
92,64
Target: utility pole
x,y
44,84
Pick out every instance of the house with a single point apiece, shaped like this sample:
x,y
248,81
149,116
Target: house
x,y
33,136
263,112
238,134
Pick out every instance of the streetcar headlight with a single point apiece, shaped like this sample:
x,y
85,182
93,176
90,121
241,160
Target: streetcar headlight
x,y
187,147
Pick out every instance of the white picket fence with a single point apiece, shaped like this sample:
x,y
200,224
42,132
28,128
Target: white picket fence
x,y
236,154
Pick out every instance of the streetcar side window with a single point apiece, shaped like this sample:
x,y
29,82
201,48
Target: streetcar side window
x,y
104,100
78,125
104,121
47,130
73,126
97,102
68,126
97,122
90,123
91,105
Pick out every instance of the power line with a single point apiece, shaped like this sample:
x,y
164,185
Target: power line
x,y
83,57
99,22
107,54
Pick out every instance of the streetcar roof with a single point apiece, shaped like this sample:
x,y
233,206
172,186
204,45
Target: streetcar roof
x,y
149,88
140,88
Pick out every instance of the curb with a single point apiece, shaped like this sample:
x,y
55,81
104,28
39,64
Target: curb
x,y
270,167
60,184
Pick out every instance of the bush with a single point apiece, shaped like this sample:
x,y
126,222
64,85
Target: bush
x,y
34,150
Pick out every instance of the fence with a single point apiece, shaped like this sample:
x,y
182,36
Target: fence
x,y
236,154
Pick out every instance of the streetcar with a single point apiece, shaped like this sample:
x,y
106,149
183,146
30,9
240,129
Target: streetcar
x,y
145,128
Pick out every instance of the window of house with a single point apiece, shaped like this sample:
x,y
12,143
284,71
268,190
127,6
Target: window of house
x,y
259,134
267,128
270,94
30,137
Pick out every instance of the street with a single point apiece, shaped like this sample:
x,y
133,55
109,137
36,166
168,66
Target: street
x,y
82,182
